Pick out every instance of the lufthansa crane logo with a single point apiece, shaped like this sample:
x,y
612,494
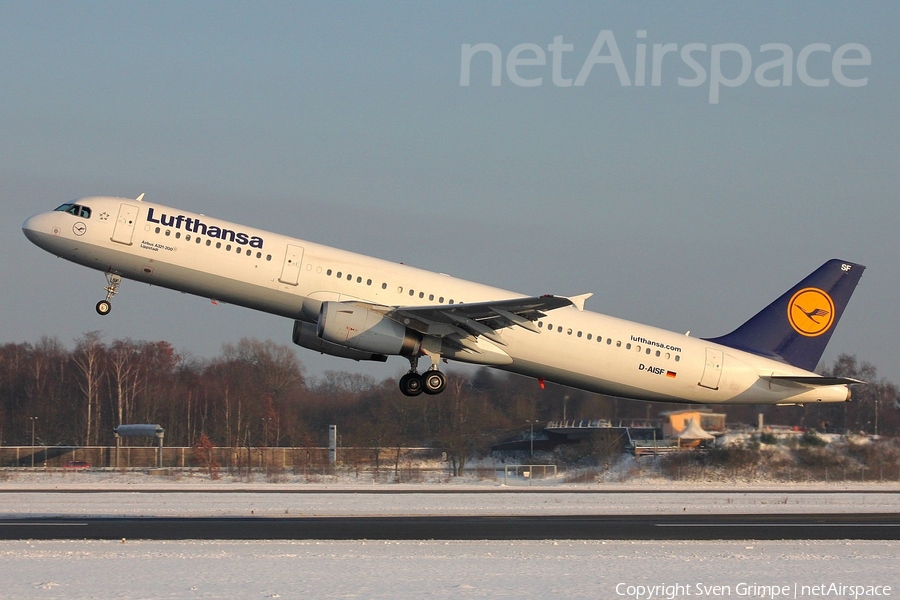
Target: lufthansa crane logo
x,y
811,312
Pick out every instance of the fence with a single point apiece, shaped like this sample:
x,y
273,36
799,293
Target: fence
x,y
297,459
529,474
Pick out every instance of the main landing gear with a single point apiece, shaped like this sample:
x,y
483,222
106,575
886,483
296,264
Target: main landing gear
x,y
431,381
111,289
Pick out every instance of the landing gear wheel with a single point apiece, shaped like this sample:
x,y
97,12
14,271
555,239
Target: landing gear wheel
x,y
112,288
411,384
433,382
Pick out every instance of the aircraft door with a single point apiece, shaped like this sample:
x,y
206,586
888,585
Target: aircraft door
x,y
124,229
290,271
712,372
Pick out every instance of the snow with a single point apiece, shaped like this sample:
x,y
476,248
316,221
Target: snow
x,y
326,569
412,569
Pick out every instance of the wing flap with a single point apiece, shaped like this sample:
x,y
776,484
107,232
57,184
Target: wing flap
x,y
477,318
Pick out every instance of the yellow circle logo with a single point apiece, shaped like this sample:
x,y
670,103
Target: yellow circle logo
x,y
811,312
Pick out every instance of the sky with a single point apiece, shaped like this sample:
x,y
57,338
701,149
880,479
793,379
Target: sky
x,y
687,207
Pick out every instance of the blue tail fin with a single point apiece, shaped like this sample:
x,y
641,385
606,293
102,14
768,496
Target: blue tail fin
x,y
797,326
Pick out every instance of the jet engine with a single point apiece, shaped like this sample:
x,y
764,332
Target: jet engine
x,y
305,335
360,328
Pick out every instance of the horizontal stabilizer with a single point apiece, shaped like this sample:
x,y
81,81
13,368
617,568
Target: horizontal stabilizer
x,y
811,381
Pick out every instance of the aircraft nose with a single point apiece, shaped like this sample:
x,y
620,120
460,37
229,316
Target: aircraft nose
x,y
34,226
29,225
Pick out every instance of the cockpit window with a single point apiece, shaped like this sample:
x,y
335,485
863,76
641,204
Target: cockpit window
x,y
76,209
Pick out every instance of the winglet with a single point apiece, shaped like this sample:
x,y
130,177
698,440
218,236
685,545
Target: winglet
x,y
578,301
140,198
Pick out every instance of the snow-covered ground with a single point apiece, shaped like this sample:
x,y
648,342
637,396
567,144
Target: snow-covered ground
x,y
379,569
136,494
372,569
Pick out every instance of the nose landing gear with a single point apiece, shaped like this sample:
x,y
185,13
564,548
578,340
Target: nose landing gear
x,y
112,288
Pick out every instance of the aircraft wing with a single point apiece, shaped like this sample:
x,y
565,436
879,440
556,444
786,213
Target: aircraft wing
x,y
479,318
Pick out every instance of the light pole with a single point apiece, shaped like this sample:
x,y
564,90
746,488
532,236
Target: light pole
x,y
33,419
266,440
531,423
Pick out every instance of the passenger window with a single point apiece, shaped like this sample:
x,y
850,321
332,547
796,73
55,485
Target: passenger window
x,y
559,329
451,301
349,276
384,286
579,334
677,357
177,235
430,297
619,344
412,292
588,337
441,300
359,280
569,331
218,244
368,282
421,294
339,274
628,346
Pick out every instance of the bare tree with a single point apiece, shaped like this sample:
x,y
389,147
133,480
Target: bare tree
x,y
89,357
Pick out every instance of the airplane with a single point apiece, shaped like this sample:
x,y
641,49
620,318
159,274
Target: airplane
x,y
363,308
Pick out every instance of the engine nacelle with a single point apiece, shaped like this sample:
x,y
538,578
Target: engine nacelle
x,y
305,335
357,327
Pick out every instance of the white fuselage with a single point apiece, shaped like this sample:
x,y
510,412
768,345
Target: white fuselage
x,y
277,274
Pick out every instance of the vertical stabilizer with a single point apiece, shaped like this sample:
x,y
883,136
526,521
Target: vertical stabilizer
x,y
797,326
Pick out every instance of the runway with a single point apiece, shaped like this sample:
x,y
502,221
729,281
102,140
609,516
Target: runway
x,y
822,526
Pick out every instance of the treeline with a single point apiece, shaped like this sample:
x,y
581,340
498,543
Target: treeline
x,y
256,393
